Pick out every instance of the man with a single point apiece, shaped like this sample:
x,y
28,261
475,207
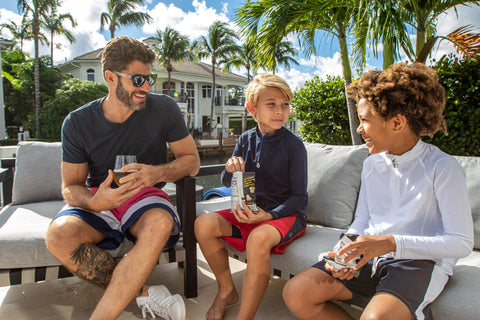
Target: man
x,y
99,215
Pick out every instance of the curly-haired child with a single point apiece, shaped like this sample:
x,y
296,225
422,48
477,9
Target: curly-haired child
x,y
413,215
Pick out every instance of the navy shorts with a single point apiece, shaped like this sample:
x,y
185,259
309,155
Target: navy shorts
x,y
415,282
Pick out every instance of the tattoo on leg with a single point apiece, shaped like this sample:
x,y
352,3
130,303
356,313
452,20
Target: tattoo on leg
x,y
93,264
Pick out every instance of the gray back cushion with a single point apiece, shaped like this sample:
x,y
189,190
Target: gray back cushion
x,y
471,166
37,173
333,183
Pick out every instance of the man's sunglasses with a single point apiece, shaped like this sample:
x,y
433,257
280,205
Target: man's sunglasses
x,y
138,80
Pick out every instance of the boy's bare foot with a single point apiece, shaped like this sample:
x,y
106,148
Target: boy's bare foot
x,y
217,309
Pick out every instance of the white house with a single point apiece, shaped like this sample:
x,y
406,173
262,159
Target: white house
x,y
191,87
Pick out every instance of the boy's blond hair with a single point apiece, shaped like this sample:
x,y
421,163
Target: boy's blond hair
x,y
265,80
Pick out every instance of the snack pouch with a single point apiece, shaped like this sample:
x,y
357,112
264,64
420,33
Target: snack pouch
x,y
243,189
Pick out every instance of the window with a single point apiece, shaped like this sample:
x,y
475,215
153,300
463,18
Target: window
x,y
173,89
91,75
206,91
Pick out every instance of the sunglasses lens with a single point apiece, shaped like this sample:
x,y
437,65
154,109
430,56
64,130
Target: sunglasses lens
x,y
138,80
151,79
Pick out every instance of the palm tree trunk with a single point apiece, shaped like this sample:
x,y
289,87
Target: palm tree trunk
x,y
51,49
388,54
245,115
212,109
420,41
347,76
36,74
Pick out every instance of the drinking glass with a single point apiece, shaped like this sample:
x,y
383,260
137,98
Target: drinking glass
x,y
120,162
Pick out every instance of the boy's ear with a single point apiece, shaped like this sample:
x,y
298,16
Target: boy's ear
x,y
251,107
399,122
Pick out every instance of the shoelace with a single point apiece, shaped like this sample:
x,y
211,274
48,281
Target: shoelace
x,y
159,307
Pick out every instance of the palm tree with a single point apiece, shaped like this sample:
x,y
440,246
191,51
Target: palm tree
x,y
388,20
54,24
271,20
219,43
283,55
172,47
120,13
37,9
19,32
245,57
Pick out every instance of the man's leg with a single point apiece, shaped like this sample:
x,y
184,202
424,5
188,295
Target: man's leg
x,y
152,231
209,227
307,295
72,241
259,243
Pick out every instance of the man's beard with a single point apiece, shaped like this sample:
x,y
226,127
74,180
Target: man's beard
x,y
126,99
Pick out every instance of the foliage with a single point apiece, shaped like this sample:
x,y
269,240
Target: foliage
x,y
19,94
72,94
461,79
321,106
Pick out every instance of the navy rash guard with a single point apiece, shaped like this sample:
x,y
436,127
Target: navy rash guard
x,y
280,165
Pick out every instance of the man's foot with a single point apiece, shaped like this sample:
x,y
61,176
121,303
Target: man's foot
x,y
220,303
159,302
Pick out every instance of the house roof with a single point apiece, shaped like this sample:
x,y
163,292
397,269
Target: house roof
x,y
93,55
186,67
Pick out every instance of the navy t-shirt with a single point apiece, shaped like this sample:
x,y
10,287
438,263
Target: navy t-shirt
x,y
87,136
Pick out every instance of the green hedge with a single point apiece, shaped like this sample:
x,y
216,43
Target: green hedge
x,y
322,108
461,79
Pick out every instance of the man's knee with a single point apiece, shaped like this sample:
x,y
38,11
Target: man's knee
x,y
154,223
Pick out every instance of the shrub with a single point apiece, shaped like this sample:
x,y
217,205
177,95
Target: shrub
x,y
71,95
322,108
461,79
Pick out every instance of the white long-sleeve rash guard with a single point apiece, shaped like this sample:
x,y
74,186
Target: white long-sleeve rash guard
x,y
421,199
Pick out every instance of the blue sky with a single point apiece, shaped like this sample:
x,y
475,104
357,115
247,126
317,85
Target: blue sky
x,y
194,17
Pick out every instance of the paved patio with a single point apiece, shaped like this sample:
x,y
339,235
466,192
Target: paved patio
x,y
72,298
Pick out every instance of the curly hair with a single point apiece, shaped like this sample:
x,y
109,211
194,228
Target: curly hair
x,y
122,51
410,90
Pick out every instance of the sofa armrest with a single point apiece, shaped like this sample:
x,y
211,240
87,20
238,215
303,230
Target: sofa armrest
x,y
186,206
210,170
6,178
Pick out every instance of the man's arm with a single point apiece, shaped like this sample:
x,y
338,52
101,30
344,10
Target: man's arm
x,y
186,163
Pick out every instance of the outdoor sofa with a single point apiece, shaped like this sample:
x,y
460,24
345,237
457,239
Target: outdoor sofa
x,y
32,197
333,185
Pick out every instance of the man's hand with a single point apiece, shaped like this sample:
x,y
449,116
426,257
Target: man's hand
x,y
235,164
143,174
247,216
107,198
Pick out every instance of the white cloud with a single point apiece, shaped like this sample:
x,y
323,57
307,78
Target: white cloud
x,y
192,24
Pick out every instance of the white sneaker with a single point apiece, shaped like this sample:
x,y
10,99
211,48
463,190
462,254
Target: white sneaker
x,y
159,302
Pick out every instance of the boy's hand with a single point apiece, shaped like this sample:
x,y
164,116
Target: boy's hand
x,y
248,216
368,246
343,274
235,164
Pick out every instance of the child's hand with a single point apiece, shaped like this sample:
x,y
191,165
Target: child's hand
x,y
248,216
343,274
368,246
235,164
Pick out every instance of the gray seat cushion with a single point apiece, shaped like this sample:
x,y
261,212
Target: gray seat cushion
x,y
22,235
460,300
333,183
